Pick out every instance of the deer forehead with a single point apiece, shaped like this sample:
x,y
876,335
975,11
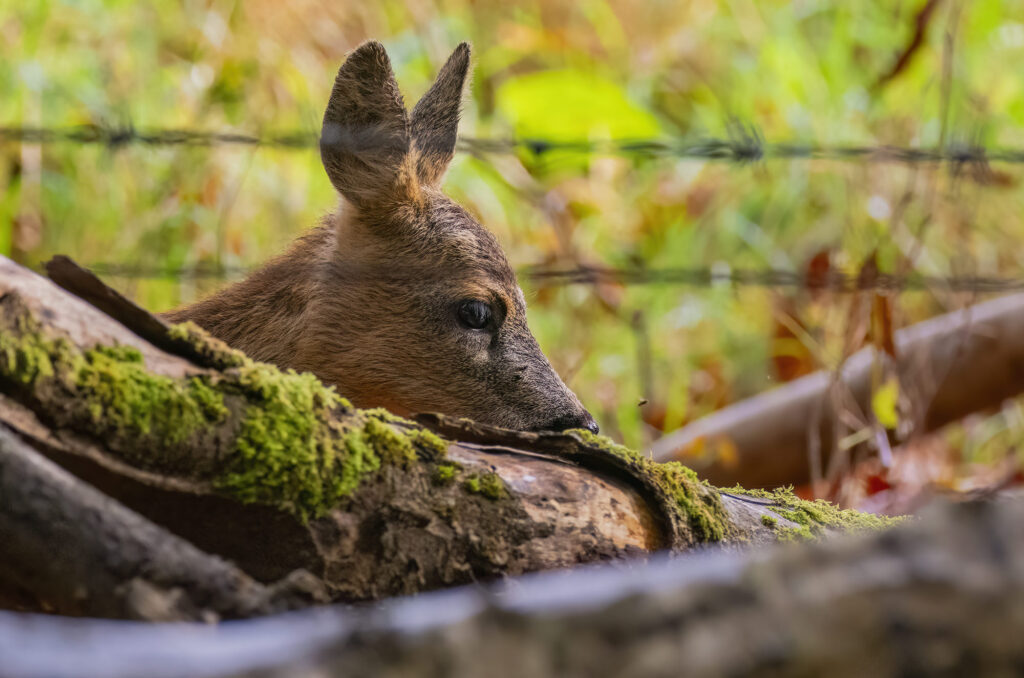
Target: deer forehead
x,y
475,265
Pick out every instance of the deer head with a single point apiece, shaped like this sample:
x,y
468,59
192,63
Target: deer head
x,y
401,299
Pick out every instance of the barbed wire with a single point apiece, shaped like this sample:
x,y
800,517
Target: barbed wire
x,y
692,277
743,145
115,137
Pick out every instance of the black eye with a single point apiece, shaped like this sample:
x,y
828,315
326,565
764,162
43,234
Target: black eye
x,y
475,314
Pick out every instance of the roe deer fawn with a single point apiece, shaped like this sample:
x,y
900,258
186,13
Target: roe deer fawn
x,y
400,299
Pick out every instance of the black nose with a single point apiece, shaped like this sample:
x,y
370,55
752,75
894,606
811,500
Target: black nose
x,y
580,420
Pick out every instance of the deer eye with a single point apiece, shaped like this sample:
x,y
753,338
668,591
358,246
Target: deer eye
x,y
475,314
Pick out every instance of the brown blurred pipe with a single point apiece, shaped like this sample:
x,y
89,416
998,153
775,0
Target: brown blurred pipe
x,y
974,358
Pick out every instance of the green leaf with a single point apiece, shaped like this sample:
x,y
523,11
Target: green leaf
x,y
885,403
571,105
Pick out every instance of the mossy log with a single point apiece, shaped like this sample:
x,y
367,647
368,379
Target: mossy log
x,y
278,473
939,596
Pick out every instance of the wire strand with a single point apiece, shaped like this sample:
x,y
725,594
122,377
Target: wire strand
x,y
745,146
687,277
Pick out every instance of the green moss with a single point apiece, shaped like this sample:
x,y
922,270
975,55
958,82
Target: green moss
x,y
394,447
698,503
112,392
119,354
768,521
289,451
604,443
702,506
814,518
292,453
385,415
283,443
429,444
121,394
488,484
281,456
360,459
24,359
794,534
212,352
444,474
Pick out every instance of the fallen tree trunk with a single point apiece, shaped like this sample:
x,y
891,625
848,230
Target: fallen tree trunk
x,y
950,366
91,555
277,473
939,597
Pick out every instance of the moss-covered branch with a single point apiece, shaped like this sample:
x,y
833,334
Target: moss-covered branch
x,y
379,505
251,431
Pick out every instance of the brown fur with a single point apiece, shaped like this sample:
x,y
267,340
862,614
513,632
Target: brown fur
x,y
367,301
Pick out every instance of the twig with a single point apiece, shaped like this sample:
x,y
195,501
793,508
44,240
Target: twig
x,y
921,22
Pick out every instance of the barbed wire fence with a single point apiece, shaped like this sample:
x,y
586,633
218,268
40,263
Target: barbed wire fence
x,y
832,281
743,145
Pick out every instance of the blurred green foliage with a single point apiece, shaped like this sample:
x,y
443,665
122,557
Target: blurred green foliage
x,y
561,70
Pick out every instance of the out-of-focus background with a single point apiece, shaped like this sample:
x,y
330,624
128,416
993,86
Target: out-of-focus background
x,y
168,223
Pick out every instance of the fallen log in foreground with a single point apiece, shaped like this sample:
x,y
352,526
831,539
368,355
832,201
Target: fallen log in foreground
x,y
91,554
951,366
278,474
936,597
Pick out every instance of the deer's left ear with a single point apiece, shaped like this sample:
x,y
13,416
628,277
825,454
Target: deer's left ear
x,y
365,140
435,120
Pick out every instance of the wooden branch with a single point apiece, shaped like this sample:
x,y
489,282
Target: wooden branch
x,y
85,285
922,20
936,597
83,553
950,366
277,473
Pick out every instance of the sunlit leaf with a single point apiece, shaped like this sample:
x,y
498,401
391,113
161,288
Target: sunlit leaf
x,y
568,105
885,403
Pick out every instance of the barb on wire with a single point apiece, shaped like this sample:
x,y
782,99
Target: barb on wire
x,y
115,136
744,144
833,281
692,277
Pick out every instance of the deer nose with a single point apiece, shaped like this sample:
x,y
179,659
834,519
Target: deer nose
x,y
577,420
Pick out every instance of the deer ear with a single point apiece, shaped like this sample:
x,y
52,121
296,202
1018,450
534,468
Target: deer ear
x,y
364,144
435,120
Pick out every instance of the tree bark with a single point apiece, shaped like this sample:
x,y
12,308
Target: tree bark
x,y
938,597
92,556
949,367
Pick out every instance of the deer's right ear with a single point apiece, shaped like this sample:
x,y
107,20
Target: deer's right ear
x,y
364,144
435,120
